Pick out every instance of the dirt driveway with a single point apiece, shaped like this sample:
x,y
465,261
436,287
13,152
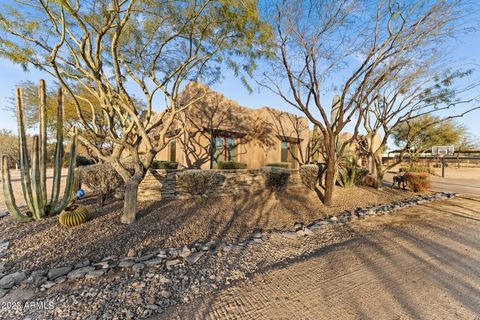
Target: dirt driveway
x,y
422,263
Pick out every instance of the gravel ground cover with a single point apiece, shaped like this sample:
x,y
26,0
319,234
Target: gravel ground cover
x,y
45,244
147,291
140,286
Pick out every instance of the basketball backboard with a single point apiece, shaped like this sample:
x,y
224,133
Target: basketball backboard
x,y
442,151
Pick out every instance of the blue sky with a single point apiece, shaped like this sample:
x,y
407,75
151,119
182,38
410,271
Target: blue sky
x,y
466,51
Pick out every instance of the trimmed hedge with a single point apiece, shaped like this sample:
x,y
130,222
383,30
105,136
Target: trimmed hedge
x,y
417,181
162,164
309,174
83,161
199,182
102,178
285,165
362,179
228,165
417,169
369,181
276,178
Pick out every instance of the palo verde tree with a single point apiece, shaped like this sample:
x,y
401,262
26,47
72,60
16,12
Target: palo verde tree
x,y
115,48
88,105
351,45
9,146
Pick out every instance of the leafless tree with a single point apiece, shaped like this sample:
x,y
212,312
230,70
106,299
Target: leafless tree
x,y
212,116
416,93
360,42
287,125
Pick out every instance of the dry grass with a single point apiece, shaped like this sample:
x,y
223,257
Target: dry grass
x,y
45,244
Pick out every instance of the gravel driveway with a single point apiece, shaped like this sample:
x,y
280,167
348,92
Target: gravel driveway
x,y
421,264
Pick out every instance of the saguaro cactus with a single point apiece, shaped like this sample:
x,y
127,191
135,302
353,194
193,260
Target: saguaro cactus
x,y
33,176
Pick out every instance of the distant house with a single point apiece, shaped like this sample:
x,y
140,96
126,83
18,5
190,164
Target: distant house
x,y
219,129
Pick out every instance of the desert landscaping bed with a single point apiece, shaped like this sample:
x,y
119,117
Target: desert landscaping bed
x,y
142,285
45,244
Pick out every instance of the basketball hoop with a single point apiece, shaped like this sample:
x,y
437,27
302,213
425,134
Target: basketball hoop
x,y
441,152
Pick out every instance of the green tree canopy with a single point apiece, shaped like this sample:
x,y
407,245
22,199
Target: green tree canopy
x,y
420,134
9,145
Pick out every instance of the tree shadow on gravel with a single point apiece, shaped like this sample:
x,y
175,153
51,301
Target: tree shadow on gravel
x,y
395,259
160,224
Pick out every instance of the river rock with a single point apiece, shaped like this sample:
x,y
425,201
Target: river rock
x,y
12,279
95,274
80,272
138,266
126,263
185,252
153,262
145,257
37,278
58,272
257,234
82,264
194,257
171,263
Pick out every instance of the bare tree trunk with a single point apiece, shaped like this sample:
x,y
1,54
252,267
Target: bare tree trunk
x,y
330,176
130,201
379,172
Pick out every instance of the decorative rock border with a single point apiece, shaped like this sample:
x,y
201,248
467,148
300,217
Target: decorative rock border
x,y
188,255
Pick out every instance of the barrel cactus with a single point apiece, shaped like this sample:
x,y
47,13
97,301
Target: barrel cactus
x,y
73,215
34,173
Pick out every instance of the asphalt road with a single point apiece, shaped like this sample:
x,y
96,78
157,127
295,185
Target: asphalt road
x,y
421,263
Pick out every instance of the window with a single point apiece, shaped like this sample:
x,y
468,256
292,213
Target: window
x,y
172,154
288,152
231,150
224,149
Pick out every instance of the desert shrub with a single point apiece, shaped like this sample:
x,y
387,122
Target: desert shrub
x,y
276,178
361,174
369,181
162,164
84,161
285,165
101,178
309,173
231,165
199,182
417,181
417,169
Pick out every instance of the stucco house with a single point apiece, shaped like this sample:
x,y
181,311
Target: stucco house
x,y
219,129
